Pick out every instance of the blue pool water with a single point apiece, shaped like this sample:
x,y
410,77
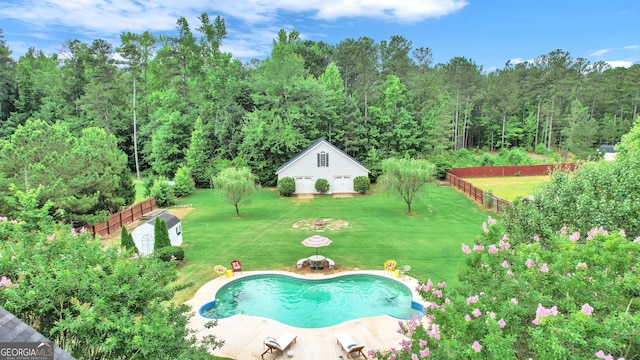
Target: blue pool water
x,y
313,303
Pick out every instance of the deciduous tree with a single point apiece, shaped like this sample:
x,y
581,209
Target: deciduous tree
x,y
406,177
236,186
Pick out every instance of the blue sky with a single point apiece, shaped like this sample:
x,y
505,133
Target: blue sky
x,y
489,32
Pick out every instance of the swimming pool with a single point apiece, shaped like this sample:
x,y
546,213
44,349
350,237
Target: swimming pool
x,y
313,303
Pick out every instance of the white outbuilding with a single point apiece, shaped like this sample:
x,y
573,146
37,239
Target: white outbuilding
x,y
322,160
143,234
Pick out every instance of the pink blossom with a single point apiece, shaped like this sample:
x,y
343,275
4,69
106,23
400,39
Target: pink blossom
x,y
563,230
442,285
447,301
414,356
529,263
492,315
514,301
3,219
502,323
600,355
505,237
472,299
437,293
135,256
536,321
536,238
478,247
504,244
492,249
424,353
637,240
484,228
467,317
544,268
509,272
476,313
505,264
587,309
491,221
542,312
575,236
476,346
51,237
14,222
465,249
422,343
4,282
622,233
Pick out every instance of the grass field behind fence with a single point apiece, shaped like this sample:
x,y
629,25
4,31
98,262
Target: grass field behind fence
x,y
509,187
379,229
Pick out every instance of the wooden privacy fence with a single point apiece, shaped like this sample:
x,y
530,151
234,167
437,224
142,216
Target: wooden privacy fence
x,y
520,170
124,217
476,194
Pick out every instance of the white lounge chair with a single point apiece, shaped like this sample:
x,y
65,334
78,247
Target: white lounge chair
x,y
330,263
302,262
349,346
280,344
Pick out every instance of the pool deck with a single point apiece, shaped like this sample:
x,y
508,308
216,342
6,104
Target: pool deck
x,y
244,335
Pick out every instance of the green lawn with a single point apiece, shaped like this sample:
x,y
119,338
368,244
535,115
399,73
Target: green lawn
x,y
509,187
139,191
379,229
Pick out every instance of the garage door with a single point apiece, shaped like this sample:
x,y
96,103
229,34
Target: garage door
x,y
342,184
304,184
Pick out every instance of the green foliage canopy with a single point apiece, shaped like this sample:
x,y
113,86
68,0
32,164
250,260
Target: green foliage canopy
x,y
236,186
406,177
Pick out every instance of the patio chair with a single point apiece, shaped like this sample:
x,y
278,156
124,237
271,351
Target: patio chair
x,y
349,346
236,265
404,269
302,262
390,265
281,344
330,263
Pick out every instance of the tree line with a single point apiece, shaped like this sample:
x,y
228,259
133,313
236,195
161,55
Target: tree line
x,y
172,101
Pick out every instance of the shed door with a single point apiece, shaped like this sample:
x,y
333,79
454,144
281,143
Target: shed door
x,y
304,184
342,184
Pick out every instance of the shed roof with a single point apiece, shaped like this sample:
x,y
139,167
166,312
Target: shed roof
x,y
14,330
313,146
171,220
607,148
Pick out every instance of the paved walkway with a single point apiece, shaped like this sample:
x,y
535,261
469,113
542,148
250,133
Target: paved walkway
x,y
244,335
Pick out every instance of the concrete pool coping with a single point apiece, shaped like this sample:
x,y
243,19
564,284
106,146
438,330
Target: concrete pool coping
x,y
244,335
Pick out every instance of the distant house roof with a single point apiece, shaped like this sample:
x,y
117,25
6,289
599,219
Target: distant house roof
x,y
171,220
607,148
313,146
14,330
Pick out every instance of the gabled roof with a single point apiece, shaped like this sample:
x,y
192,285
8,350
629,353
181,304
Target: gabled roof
x,y
607,148
171,220
313,146
14,330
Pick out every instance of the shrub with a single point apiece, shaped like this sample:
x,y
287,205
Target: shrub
x,y
147,184
163,192
286,186
541,149
167,252
126,240
443,165
322,186
184,182
160,235
361,184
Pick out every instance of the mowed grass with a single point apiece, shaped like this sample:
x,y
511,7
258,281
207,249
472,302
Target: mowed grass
x,y
379,229
509,187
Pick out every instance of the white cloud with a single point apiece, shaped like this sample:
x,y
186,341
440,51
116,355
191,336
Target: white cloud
x,y
600,52
619,63
631,47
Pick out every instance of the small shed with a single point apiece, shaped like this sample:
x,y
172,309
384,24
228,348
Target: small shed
x,y
143,234
313,163
608,152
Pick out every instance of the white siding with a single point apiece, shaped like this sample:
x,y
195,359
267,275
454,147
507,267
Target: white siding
x,y
306,167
